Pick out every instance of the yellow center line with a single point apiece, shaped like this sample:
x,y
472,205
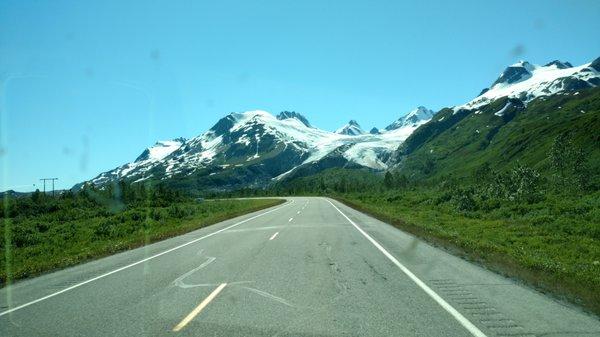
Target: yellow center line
x,y
199,308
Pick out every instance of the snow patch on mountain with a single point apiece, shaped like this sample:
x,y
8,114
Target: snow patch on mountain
x,y
161,149
500,112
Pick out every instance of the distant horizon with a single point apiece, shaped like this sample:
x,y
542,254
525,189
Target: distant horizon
x,y
85,87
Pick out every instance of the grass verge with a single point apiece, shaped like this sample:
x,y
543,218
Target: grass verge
x,y
551,246
40,243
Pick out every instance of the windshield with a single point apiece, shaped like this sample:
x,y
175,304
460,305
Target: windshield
x,y
300,168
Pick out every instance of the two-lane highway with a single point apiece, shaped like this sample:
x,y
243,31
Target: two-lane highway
x,y
309,267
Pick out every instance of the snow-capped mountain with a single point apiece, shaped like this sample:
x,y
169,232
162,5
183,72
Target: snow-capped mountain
x,y
526,81
257,147
350,129
414,118
150,157
510,99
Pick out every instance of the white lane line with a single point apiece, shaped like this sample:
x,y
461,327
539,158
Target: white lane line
x,y
290,220
139,262
273,237
252,229
199,308
450,309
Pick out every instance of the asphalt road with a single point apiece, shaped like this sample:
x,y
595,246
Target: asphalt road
x,y
309,267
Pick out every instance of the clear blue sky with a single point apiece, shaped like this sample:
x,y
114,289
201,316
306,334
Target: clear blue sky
x,y
86,85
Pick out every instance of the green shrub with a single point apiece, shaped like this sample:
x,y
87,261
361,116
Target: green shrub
x,y
463,199
24,234
104,228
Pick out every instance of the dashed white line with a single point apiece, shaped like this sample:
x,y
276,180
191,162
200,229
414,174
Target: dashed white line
x,y
273,237
199,308
138,262
450,309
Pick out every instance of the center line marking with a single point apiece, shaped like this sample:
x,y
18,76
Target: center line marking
x,y
274,235
290,220
450,309
199,308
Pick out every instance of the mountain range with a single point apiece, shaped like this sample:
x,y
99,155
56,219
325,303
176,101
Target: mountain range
x,y
255,148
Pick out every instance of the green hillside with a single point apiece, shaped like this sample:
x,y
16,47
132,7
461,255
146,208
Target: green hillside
x,y
458,143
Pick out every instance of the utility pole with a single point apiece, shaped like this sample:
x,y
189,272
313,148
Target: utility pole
x,y
51,179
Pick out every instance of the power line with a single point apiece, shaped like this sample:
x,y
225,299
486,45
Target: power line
x,y
51,179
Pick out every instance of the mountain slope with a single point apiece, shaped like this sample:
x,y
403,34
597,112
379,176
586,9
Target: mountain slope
x,y
456,143
254,148
516,119
413,119
526,82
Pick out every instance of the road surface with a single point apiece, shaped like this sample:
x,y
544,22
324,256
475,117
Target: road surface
x,y
309,267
